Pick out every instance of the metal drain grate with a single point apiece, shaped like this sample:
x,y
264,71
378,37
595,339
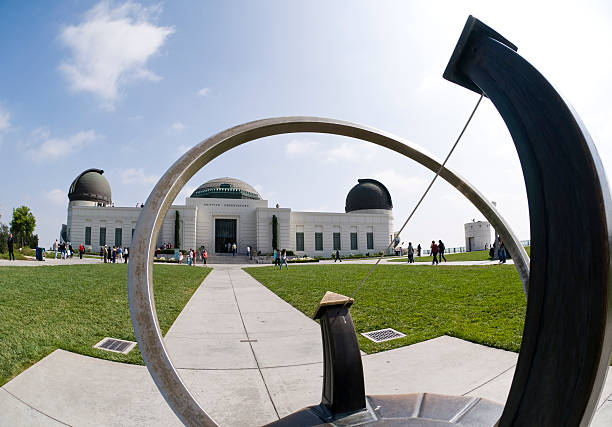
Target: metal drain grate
x,y
383,335
115,345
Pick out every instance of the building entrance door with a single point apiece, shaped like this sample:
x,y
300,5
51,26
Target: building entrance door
x,y
225,232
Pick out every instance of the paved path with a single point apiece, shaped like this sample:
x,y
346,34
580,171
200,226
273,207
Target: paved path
x,y
249,358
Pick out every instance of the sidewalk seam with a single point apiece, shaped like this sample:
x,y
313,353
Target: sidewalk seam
x,y
488,381
251,346
250,369
35,409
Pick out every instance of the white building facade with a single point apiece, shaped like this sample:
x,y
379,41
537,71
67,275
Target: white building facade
x,y
227,210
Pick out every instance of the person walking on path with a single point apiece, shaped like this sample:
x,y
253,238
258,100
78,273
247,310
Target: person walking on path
x,y
434,252
204,255
126,254
81,250
11,242
105,254
55,248
249,252
234,248
501,252
441,249
283,259
410,253
337,256
419,249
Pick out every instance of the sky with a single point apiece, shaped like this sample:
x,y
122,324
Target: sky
x,y
128,87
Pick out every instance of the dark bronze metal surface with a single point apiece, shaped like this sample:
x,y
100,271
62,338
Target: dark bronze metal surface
x,y
343,386
567,337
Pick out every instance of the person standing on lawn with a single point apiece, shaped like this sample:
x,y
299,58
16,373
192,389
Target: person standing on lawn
x,y
501,252
283,259
434,252
11,242
441,249
410,253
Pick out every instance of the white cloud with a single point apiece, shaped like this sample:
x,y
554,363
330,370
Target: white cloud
x,y
204,91
333,152
401,185
5,121
111,47
138,177
52,148
56,197
350,151
176,127
300,147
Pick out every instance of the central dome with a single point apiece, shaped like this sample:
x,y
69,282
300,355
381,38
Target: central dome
x,y
368,194
226,188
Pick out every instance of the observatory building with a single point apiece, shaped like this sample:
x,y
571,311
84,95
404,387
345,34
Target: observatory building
x,y
228,210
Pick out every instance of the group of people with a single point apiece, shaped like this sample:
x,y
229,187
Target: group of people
x,y
110,255
437,251
192,256
280,258
64,250
231,247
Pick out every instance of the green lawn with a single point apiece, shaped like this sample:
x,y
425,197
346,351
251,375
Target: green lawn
x,y
74,307
482,304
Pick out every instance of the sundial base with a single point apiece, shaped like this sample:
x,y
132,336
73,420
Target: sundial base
x,y
418,409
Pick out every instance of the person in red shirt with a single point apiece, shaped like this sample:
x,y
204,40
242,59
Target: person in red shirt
x,y
434,252
81,250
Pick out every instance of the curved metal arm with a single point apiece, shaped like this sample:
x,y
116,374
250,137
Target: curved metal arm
x,y
140,270
567,338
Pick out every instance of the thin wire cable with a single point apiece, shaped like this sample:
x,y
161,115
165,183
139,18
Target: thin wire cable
x,y
420,200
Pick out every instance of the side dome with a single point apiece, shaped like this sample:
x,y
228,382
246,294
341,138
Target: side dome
x,y
226,188
368,194
90,186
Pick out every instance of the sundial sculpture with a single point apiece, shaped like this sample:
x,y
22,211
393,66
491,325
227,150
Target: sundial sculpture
x,y
567,338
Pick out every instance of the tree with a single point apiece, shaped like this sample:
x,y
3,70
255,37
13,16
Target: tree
x,y
274,232
23,224
177,231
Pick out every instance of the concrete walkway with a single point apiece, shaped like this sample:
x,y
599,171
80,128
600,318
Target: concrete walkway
x,y
249,358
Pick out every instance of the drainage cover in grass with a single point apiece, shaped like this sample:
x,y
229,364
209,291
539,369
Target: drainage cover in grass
x,y
381,335
115,345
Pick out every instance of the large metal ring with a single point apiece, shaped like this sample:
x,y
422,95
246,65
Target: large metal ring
x,y
140,271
